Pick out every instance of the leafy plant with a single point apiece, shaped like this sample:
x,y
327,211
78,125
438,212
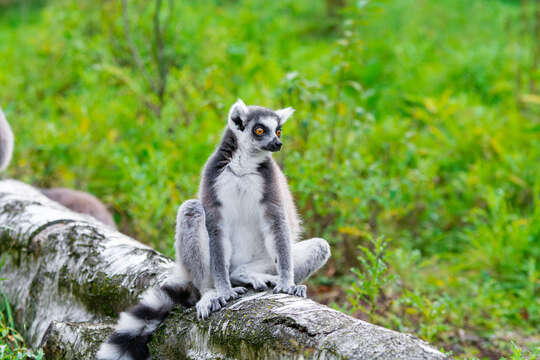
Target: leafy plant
x,y
518,353
372,278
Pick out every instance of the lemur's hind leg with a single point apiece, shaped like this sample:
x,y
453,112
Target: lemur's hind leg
x,y
192,253
308,257
192,243
193,256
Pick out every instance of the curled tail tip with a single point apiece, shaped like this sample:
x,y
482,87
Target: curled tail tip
x,y
121,346
128,341
136,325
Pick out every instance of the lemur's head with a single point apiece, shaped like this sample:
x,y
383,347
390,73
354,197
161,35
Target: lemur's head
x,y
258,128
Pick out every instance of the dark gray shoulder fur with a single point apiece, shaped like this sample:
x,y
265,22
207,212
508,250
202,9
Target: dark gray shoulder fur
x,y
271,191
211,204
274,212
215,165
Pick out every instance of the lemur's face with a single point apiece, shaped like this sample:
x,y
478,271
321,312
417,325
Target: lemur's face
x,y
258,128
264,131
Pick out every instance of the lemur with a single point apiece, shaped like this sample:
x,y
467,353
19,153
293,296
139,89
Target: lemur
x,y
77,201
241,231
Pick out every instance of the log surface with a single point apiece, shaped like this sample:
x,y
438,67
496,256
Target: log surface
x,y
68,276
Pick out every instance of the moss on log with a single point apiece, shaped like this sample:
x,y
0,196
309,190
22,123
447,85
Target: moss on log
x,y
68,276
65,266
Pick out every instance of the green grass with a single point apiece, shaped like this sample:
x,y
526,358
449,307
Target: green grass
x,y
12,345
415,121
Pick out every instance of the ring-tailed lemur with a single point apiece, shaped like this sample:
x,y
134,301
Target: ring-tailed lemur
x,y
77,201
242,231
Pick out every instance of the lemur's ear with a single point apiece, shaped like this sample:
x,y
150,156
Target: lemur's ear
x,y
284,114
238,115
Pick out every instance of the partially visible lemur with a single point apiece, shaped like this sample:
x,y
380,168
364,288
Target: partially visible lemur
x,y
81,202
77,201
6,142
243,230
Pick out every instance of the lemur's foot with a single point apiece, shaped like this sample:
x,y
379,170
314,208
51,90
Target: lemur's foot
x,y
262,282
258,281
209,302
239,290
213,300
225,296
297,290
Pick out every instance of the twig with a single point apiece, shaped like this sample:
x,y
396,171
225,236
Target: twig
x,y
133,48
536,46
161,62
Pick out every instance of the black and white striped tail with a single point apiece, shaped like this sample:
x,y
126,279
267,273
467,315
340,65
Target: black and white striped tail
x,y
134,327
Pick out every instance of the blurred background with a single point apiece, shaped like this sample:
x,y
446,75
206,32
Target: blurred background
x,y
414,149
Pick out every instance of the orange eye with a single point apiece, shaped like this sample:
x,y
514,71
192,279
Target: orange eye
x,y
259,131
278,133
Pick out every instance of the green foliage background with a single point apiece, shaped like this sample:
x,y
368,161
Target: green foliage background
x,y
416,121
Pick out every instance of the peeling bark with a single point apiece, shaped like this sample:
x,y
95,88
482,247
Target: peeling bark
x,y
68,276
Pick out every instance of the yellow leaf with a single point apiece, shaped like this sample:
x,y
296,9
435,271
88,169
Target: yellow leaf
x,y
520,222
530,98
473,180
84,124
411,311
437,133
169,144
67,175
430,105
496,146
174,194
516,180
112,134
353,231
140,119
341,109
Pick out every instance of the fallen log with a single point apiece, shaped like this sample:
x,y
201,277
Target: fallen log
x,y
67,277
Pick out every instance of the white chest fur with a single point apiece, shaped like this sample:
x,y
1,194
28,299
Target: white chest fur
x,y
240,195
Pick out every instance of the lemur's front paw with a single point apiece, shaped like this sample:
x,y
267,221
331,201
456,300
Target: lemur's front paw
x,y
207,305
297,290
213,300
